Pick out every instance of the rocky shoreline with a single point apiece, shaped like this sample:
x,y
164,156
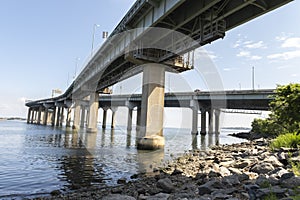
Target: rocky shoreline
x,y
248,170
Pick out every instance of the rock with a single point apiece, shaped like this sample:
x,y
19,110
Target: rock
x,y
55,192
234,170
159,196
287,176
292,182
262,168
224,171
276,190
243,164
273,161
166,185
117,197
208,187
232,179
121,181
243,177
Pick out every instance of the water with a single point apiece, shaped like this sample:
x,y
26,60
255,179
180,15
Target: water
x,y
39,159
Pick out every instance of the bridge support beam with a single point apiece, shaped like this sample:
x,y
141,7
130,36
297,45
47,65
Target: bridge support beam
x,y
53,116
194,106
45,118
28,115
129,119
150,135
58,116
93,112
217,121
39,115
68,120
203,121
82,120
211,121
138,118
104,118
32,116
113,117
76,119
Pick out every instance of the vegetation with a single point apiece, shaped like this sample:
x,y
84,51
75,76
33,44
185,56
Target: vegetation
x,y
285,112
288,140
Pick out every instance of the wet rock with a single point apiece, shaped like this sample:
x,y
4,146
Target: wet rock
x,y
166,185
292,182
118,197
262,168
121,181
55,192
159,196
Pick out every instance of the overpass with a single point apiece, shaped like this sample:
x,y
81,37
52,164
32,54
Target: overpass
x,y
153,37
211,103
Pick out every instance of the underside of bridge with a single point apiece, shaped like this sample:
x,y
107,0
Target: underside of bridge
x,y
156,36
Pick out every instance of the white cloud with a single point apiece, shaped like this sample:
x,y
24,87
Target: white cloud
x,y
283,36
291,43
255,57
285,55
230,69
256,45
244,54
202,53
247,54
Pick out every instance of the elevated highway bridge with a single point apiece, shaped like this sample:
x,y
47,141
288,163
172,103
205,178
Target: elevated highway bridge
x,y
155,36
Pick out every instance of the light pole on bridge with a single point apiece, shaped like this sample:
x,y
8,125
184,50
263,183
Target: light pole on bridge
x,y
94,30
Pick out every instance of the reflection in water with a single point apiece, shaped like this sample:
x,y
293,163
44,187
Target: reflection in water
x,y
148,160
128,139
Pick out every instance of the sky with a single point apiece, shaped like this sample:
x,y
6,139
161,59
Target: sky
x,y
44,44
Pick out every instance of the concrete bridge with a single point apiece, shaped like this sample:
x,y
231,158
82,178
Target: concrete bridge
x,y
55,110
153,37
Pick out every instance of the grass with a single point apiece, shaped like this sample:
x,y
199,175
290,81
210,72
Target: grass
x,y
270,196
288,140
296,168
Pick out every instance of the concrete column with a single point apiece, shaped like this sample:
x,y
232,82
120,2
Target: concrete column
x,y
129,119
76,119
28,115
104,118
211,121
195,107
49,117
45,119
61,116
138,118
68,120
151,132
113,118
53,116
58,116
203,121
93,114
217,121
39,115
32,115
82,120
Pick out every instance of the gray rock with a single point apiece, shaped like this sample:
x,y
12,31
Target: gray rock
x,y
232,179
276,190
234,170
166,185
209,187
262,168
118,197
287,176
292,182
159,196
273,161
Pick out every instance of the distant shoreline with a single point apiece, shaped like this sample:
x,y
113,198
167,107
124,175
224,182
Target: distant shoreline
x,y
11,118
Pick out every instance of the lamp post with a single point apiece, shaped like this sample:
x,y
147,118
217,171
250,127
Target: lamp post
x,y
94,30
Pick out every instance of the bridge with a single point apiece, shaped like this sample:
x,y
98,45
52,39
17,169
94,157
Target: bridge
x,y
154,36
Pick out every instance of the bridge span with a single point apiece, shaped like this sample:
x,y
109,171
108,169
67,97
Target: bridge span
x,y
55,110
153,37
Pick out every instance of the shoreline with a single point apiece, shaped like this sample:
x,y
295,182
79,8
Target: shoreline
x,y
248,170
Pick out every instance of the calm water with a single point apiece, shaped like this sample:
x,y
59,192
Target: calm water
x,y
37,159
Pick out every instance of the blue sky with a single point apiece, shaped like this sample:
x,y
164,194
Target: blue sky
x,y
41,40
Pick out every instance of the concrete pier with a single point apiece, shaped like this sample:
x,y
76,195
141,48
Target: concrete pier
x,y
53,116
104,118
138,118
210,121
76,120
150,135
129,119
68,119
195,108
203,121
28,115
45,118
93,112
82,120
113,117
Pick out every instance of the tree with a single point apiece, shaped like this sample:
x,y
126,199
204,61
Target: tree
x,y
285,112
